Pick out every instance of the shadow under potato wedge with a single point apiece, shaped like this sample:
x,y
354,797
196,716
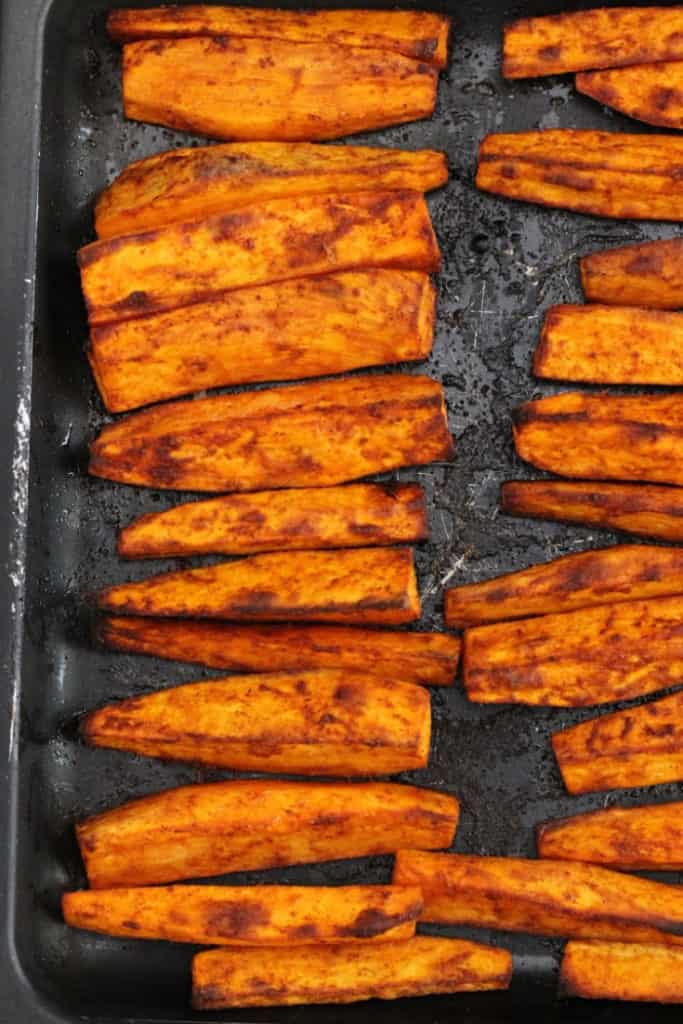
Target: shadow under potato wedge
x,y
646,274
629,971
652,93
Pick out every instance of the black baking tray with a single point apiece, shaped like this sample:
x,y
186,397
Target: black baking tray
x,y
63,139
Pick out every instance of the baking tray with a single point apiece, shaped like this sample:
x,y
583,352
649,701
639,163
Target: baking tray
x,y
63,139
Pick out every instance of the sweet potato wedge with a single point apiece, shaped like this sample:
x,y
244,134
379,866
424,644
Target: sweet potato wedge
x,y
181,264
622,970
649,837
422,35
247,89
591,656
326,722
306,435
306,327
604,437
221,827
361,585
346,974
192,184
611,345
620,573
254,915
600,38
647,274
640,746
427,658
652,93
606,174
543,897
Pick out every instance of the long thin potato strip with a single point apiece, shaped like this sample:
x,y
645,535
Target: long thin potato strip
x,y
622,970
648,92
647,274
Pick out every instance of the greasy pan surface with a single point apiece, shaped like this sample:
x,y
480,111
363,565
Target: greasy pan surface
x,y
504,263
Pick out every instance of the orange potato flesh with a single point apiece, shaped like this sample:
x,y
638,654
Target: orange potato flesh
x,y
591,656
640,746
600,38
221,827
647,509
308,327
328,722
652,93
604,437
620,573
543,897
647,274
242,89
361,585
255,915
192,184
648,837
305,435
427,658
346,974
422,35
622,970
181,264
607,345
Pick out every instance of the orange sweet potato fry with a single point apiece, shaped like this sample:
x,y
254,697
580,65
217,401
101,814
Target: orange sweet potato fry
x,y
640,746
622,970
199,831
647,274
544,897
648,92
591,656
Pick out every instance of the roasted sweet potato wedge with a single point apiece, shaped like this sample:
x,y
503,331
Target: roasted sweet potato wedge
x,y
605,437
362,585
254,915
281,239
620,573
600,38
591,656
648,92
648,274
327,722
647,509
306,435
303,328
427,658
422,35
640,746
649,837
221,827
544,897
346,974
622,970
248,89
192,184
607,174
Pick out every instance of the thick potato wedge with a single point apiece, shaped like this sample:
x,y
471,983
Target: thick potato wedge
x,y
648,274
543,897
620,573
346,974
600,38
422,35
427,658
247,89
649,837
604,437
608,345
254,915
362,585
606,174
640,746
306,435
648,92
327,722
221,827
622,970
192,184
591,656
303,328
181,264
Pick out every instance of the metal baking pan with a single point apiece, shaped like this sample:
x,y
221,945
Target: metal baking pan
x,y
63,139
